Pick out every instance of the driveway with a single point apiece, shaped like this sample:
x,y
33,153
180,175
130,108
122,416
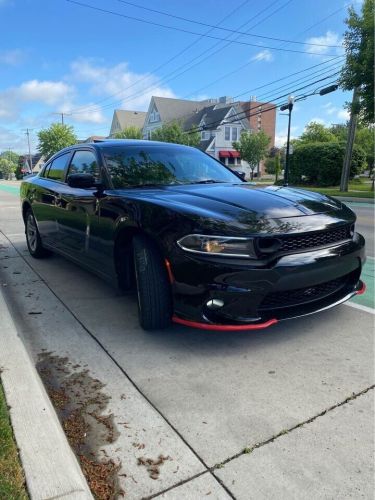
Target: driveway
x,y
280,413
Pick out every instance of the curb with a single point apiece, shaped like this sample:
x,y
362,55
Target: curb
x,y
348,199
50,466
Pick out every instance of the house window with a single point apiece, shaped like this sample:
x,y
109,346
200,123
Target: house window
x,y
231,161
234,133
205,135
227,133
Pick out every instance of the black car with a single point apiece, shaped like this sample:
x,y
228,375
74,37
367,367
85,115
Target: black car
x,y
202,247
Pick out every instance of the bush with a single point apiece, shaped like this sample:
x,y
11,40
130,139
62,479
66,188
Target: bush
x,y
320,164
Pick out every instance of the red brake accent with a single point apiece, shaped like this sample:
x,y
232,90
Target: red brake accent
x,y
223,328
362,290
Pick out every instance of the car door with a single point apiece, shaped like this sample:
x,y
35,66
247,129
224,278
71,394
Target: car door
x,y
45,198
79,208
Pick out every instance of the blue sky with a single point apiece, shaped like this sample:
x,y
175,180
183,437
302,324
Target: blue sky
x,y
59,56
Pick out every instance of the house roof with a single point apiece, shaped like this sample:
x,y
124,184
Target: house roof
x,y
203,145
174,109
130,118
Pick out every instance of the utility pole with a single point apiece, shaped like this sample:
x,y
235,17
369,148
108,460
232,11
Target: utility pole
x,y
62,116
288,107
27,132
345,174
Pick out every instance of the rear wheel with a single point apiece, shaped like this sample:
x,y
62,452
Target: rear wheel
x,y
34,243
153,289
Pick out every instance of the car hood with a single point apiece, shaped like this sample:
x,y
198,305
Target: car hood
x,y
272,202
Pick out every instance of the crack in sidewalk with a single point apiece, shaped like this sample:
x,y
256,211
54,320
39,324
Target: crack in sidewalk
x,y
291,429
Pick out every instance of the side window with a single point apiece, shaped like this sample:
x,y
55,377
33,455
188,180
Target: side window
x,y
84,162
57,167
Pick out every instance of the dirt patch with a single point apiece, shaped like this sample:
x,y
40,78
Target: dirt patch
x,y
80,403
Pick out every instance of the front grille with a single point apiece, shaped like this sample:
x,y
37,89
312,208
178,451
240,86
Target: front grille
x,y
302,295
316,239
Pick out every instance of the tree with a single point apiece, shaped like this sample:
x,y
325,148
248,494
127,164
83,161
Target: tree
x,y
358,71
130,132
7,167
172,132
316,132
364,138
54,138
252,148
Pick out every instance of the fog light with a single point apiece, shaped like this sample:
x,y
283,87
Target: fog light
x,y
215,304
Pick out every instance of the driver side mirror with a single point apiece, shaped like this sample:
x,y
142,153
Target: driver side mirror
x,y
82,181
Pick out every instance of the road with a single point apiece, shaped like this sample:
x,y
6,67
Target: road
x,y
281,413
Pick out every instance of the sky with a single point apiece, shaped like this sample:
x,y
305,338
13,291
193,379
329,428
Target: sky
x,y
70,56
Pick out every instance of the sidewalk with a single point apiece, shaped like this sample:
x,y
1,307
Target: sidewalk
x,y
50,467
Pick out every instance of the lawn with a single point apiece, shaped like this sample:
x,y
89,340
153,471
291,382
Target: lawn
x,y
12,481
359,188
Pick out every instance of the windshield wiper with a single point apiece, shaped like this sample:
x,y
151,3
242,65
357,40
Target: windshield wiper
x,y
207,181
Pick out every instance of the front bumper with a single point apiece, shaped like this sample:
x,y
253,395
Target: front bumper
x,y
258,294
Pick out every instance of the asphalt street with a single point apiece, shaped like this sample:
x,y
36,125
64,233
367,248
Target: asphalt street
x,y
281,413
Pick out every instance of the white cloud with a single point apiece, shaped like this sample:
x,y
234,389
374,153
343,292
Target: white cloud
x,y
12,57
129,90
49,93
343,114
263,55
318,120
282,135
330,38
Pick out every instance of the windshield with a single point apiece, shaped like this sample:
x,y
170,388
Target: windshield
x,y
162,165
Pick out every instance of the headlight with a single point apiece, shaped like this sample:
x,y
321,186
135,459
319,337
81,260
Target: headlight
x,y
225,246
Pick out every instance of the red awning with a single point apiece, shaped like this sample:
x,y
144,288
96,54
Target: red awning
x,y
229,154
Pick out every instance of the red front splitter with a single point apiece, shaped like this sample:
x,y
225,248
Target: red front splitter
x,y
223,328
362,290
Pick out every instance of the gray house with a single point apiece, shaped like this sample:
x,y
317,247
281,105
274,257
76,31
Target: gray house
x,y
216,116
123,119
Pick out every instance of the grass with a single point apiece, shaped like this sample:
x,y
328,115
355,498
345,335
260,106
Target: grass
x,y
358,188
12,481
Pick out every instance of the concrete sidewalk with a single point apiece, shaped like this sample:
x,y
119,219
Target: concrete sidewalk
x,y
50,467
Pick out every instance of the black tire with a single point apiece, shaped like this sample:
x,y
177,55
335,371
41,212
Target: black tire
x,y
33,240
153,288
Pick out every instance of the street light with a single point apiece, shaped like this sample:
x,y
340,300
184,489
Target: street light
x,y
288,107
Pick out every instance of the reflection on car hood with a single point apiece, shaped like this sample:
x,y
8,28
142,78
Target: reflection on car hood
x,y
271,202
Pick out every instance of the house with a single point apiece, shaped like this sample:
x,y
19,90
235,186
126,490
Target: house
x,y
221,122
163,110
37,161
124,118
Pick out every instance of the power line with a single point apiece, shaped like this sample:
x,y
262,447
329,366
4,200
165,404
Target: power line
x,y
252,61
168,14
169,76
118,14
238,116
168,61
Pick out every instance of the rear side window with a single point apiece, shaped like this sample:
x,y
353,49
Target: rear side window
x,y
57,167
84,162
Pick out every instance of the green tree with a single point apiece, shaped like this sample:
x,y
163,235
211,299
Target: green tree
x,y
54,138
364,138
358,70
252,148
7,167
130,132
172,132
273,167
316,132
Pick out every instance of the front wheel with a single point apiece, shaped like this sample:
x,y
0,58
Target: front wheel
x,y
153,289
34,243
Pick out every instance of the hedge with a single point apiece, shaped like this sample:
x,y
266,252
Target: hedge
x,y
320,163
